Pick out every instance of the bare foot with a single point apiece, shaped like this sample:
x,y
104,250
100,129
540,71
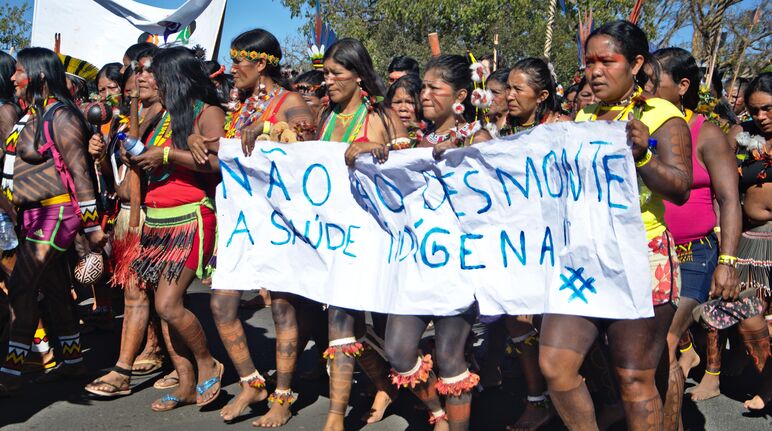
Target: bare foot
x,y
755,403
380,404
277,416
244,399
708,388
609,414
533,418
334,422
688,360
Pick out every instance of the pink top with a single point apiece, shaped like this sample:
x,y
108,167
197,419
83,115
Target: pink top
x,y
696,218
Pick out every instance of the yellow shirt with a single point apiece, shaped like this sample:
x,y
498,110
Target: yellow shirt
x,y
656,112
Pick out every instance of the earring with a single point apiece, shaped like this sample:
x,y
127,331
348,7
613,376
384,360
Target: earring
x,y
458,108
365,96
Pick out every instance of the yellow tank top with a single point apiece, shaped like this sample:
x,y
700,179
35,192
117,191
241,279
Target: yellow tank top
x,y
656,112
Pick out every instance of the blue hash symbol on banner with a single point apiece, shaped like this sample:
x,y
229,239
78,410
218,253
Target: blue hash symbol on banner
x,y
576,282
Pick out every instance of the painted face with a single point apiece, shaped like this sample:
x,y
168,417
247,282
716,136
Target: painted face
x,y
106,87
341,83
736,98
246,72
404,106
584,97
394,76
499,105
308,92
760,107
522,99
146,83
609,73
437,96
20,81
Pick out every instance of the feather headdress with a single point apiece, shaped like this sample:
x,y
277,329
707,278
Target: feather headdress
x,y
323,37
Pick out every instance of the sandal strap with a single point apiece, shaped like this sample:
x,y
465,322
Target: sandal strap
x,y
169,397
123,371
203,387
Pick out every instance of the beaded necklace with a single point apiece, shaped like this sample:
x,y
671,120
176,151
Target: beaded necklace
x,y
627,105
252,109
353,128
457,133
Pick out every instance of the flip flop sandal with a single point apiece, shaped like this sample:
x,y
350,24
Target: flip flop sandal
x,y
169,398
115,391
155,363
173,381
203,387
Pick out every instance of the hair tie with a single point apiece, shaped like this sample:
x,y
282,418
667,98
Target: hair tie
x,y
218,72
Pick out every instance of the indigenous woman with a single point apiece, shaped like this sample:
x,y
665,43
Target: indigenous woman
x,y
51,187
531,93
754,254
404,98
256,55
498,113
584,95
139,319
693,223
179,230
9,114
529,100
615,55
355,116
445,94
109,90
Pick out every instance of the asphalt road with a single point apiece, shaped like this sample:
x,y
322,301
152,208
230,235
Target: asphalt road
x,y
65,406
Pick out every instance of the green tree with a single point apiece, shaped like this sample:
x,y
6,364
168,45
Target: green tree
x,y
392,27
14,29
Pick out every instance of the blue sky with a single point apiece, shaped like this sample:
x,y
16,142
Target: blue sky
x,y
241,15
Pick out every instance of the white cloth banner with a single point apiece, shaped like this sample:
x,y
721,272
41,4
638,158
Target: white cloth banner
x,y
99,31
545,222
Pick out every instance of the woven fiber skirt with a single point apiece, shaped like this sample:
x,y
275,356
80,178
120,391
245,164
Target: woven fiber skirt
x,y
754,262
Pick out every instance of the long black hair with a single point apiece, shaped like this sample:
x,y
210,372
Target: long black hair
x,y
263,41
454,70
411,83
182,82
353,56
539,77
679,64
631,42
44,69
7,69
